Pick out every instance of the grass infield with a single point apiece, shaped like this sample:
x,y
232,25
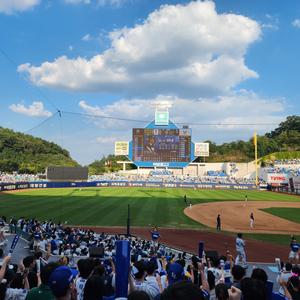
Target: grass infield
x,y
109,206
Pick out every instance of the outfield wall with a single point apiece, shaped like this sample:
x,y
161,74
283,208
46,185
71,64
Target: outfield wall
x,y
47,185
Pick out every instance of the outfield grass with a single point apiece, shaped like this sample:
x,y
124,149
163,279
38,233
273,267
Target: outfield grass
x,y
291,214
109,206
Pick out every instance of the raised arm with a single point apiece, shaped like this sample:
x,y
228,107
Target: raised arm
x,y
6,261
48,252
283,285
112,266
192,273
205,284
231,259
163,262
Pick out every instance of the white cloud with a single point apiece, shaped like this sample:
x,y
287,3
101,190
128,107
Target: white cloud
x,y
223,115
36,109
78,1
115,3
296,23
273,26
70,48
272,21
86,38
187,50
107,140
13,6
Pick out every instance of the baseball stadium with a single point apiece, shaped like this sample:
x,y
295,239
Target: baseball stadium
x,y
188,203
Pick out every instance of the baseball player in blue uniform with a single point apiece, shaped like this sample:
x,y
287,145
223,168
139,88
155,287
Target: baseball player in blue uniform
x,y
154,236
240,245
294,250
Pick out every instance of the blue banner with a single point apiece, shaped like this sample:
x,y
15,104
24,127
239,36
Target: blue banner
x,y
154,184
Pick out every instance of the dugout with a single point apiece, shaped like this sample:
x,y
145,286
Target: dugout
x,y
67,173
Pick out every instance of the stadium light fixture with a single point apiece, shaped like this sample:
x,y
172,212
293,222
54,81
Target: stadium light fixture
x,y
162,104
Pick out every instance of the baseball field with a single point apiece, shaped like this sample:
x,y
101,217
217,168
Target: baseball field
x,y
276,216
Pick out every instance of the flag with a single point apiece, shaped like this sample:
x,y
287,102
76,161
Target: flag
x,y
106,163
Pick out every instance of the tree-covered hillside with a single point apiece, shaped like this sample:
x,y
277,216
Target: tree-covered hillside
x,y
27,154
286,137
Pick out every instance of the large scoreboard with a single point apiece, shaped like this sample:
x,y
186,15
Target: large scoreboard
x,y
161,145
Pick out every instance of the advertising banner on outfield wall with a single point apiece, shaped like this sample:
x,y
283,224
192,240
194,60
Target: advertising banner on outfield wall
x,y
278,178
41,185
184,185
13,186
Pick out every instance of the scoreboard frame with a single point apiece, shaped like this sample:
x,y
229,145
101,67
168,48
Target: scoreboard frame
x,y
161,164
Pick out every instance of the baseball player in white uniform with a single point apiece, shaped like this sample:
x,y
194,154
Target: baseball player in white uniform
x,y
240,245
251,220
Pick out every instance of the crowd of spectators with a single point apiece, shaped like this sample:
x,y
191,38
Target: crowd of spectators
x,y
283,170
213,177
208,179
150,276
287,161
76,242
15,177
216,173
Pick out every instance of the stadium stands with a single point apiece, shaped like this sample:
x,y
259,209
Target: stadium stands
x,y
156,275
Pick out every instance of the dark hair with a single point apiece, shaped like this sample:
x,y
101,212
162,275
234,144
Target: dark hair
x,y
46,271
94,288
239,235
254,289
150,268
138,295
222,291
181,262
182,290
28,260
86,267
9,276
100,270
38,254
223,257
288,266
216,261
296,270
211,279
238,272
17,282
293,282
259,274
142,267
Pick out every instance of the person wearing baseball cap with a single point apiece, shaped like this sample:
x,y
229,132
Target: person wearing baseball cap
x,y
61,283
175,273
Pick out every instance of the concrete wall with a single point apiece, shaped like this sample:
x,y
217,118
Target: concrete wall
x,y
200,169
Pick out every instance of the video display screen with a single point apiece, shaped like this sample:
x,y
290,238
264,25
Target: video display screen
x,y
161,145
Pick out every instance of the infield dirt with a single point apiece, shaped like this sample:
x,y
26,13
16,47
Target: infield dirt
x,y
235,216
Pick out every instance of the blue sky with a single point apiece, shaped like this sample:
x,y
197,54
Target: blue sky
x,y
223,63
